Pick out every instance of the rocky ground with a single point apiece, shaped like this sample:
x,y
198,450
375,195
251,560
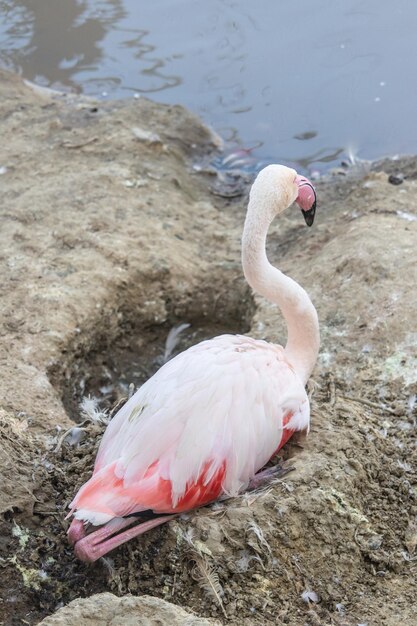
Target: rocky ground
x,y
113,231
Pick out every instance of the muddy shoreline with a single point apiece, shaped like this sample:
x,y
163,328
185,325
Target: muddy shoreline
x,y
113,231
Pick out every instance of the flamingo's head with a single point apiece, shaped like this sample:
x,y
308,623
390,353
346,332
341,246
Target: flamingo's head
x,y
306,198
275,189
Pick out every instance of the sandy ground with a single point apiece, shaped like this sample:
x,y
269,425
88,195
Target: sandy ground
x,y
111,235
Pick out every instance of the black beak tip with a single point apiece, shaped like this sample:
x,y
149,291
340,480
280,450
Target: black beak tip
x,y
309,215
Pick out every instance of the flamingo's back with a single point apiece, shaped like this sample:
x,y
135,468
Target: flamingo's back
x,y
203,425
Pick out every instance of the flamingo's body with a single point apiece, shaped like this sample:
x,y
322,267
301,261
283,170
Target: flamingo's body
x,y
210,418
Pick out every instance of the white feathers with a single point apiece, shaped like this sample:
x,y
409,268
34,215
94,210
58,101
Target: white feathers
x,y
219,403
300,419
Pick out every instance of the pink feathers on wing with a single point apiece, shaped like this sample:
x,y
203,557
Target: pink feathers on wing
x,y
206,421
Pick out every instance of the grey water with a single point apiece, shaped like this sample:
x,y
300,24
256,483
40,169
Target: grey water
x,y
303,82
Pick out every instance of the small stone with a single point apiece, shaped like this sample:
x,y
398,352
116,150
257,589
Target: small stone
x,y
396,179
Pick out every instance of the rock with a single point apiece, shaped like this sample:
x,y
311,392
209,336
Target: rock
x,y
407,165
396,179
106,609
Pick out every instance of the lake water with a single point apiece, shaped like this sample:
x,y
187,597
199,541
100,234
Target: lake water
x,y
301,82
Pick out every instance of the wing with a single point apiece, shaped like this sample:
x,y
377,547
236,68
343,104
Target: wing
x,y
203,424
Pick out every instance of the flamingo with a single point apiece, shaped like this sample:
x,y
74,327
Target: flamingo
x,y
204,425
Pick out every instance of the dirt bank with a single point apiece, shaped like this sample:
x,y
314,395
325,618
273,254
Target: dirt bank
x,y
111,236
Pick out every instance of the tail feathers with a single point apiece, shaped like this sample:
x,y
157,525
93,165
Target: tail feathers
x,y
106,496
102,498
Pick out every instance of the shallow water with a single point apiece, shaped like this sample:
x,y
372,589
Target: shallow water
x,y
303,82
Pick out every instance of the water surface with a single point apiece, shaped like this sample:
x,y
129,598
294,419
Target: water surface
x,y
301,81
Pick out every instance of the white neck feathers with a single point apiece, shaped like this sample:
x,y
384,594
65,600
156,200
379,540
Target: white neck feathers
x,y
299,313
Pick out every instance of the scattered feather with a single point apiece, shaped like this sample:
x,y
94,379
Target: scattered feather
x,y
197,546
404,466
92,414
106,390
410,538
411,404
203,572
242,564
407,216
114,576
90,410
75,435
258,532
310,596
354,163
188,536
172,340
208,579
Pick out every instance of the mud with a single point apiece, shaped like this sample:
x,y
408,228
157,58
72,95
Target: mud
x,y
111,235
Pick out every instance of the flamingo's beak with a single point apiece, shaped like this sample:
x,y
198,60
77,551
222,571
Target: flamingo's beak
x,y
306,199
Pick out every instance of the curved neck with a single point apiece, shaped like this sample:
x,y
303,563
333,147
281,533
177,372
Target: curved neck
x,y
299,313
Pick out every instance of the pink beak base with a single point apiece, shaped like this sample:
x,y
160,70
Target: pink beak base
x,y
306,198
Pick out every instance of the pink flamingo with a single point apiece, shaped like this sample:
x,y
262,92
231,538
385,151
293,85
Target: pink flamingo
x,y
209,419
